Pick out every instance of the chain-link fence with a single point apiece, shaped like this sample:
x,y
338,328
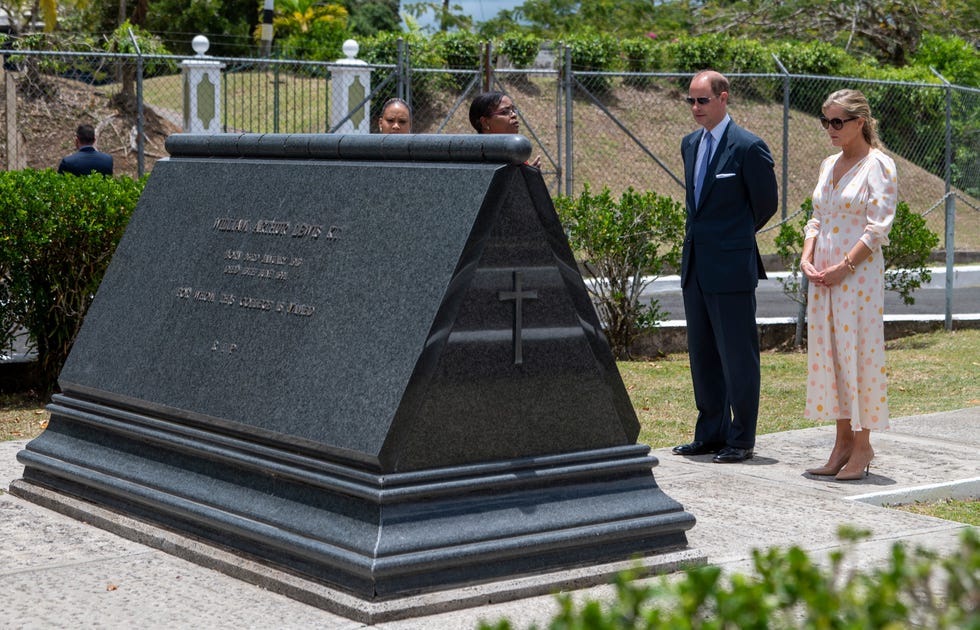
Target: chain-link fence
x,y
614,130
631,125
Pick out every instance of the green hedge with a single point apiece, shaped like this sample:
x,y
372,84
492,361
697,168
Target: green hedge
x,y
521,48
58,234
462,50
595,52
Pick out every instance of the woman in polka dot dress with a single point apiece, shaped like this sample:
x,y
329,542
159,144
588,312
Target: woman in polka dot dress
x,y
853,209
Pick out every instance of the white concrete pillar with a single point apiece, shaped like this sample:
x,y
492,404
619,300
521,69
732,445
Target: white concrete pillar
x,y
350,83
202,90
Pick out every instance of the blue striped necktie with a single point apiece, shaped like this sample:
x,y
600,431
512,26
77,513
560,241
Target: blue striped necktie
x,y
699,180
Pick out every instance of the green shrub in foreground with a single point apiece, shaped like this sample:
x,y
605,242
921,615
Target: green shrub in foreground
x,y
57,236
915,589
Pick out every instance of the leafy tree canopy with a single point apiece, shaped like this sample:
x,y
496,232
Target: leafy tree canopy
x,y
227,24
890,31
554,18
369,17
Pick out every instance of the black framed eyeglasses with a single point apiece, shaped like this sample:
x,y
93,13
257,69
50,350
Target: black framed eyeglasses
x,y
700,100
836,123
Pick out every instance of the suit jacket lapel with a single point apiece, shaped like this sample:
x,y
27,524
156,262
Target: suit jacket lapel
x,y
690,159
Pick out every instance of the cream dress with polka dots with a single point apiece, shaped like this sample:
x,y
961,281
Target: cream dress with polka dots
x,y
845,336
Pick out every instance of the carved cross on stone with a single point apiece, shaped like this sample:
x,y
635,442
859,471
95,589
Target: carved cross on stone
x,y
518,295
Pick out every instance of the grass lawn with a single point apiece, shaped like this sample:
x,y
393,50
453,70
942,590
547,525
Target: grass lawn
x,y
961,511
927,373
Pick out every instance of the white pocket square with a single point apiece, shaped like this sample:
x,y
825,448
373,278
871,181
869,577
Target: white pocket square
x,y
724,175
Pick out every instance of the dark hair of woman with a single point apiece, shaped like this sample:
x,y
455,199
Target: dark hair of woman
x,y
483,106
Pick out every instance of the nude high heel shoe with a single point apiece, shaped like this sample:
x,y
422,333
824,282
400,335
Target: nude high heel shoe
x,y
831,468
852,475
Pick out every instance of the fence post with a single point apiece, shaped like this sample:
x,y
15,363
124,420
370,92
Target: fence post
x,y
140,142
407,69
804,282
950,243
487,66
560,174
400,72
785,182
275,98
569,127
15,156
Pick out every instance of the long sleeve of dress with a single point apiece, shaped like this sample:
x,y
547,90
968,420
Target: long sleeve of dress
x,y
882,202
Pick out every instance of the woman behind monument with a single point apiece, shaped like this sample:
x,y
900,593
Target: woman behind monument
x,y
854,206
494,112
396,117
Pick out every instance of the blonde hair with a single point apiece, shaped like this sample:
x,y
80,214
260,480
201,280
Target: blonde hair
x,y
854,103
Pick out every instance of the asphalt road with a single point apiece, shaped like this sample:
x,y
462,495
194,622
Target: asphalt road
x,y
772,302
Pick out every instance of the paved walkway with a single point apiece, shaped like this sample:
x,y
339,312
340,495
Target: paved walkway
x,y
57,572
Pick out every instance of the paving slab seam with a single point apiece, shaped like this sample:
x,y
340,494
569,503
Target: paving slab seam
x,y
82,563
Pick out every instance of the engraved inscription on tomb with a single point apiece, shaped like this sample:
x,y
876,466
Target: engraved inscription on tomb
x,y
260,270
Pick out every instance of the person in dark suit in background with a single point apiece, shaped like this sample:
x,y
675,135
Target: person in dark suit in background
x,y
86,159
731,194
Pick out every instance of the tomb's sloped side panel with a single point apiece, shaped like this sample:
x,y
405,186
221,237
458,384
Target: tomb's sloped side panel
x,y
517,366
285,300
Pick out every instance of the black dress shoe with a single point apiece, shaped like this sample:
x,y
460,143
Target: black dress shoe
x,y
697,448
732,455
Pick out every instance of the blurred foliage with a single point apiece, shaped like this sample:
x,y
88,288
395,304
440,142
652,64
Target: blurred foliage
x,y
448,17
914,588
952,57
308,30
642,54
227,24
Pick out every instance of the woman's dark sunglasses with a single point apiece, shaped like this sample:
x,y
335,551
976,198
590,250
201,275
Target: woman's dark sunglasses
x,y
836,123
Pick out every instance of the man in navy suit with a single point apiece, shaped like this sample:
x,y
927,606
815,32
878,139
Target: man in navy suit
x,y
731,193
86,160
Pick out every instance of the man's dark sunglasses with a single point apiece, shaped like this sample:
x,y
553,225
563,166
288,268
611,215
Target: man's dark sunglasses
x,y
700,100
836,123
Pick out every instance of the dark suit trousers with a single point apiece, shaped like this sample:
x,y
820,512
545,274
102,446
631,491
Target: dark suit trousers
x,y
723,345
